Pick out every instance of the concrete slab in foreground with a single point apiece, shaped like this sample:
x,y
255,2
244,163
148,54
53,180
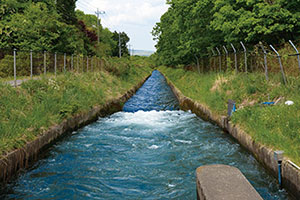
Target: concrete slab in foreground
x,y
223,182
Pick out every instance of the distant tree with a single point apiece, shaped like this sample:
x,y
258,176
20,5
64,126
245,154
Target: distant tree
x,y
124,40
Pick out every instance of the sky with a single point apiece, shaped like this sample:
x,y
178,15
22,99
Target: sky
x,y
135,17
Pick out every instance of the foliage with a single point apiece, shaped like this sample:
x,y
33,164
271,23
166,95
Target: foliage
x,y
40,104
43,25
123,37
190,27
276,126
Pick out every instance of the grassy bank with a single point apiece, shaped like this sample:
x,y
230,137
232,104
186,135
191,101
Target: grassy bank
x,y
27,111
276,126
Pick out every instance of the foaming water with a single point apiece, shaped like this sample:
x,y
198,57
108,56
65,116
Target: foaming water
x,y
137,155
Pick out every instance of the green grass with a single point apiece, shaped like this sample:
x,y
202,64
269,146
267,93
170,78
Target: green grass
x,y
275,126
27,111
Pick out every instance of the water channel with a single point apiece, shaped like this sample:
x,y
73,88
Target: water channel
x,y
149,151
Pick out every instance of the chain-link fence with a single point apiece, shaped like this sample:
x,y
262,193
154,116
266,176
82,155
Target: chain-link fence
x,y
20,63
260,58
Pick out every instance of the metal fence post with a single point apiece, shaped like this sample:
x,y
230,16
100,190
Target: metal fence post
x,y
87,63
265,61
298,57
15,67
226,56
235,58
281,67
55,63
31,65
45,67
214,61
64,62
245,51
92,59
82,61
197,60
77,64
72,62
220,59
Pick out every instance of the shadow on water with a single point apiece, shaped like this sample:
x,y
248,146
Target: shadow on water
x,y
138,154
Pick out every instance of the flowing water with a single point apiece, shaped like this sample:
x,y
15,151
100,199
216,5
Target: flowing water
x,y
151,151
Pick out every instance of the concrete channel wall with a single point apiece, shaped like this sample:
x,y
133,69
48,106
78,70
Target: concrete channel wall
x,y
264,154
218,182
22,158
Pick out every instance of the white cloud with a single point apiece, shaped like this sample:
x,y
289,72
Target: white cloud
x,y
129,16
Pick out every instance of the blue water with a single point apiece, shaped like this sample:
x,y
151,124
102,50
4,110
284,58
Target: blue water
x,y
138,155
154,95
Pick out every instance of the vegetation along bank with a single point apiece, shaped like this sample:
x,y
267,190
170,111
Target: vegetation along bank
x,y
28,111
275,126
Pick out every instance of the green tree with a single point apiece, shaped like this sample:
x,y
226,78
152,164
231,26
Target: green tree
x,y
124,40
190,28
254,21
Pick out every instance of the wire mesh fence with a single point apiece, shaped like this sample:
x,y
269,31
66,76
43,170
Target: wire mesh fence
x,y
16,64
260,58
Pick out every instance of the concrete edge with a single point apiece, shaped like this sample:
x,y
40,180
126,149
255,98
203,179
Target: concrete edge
x,y
264,154
23,158
219,181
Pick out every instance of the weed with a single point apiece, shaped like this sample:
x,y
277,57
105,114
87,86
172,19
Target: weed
x,y
276,126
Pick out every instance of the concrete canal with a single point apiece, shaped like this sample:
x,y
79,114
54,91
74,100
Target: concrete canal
x,y
149,151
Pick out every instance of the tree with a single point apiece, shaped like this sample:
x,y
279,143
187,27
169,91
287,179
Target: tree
x,y
190,28
124,40
66,8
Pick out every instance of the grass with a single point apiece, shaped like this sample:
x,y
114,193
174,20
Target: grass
x,y
27,111
276,126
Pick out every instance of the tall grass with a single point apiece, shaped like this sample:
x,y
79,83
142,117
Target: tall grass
x,y
27,111
276,126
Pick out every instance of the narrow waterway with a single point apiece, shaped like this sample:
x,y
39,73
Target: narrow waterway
x,y
149,151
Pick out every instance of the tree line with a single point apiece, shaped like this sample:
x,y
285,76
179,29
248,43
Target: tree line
x,y
55,26
191,28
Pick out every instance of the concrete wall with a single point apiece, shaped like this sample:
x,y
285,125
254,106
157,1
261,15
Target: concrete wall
x,y
22,158
223,182
264,154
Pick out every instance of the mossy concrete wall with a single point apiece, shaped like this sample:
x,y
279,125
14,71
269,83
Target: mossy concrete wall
x,y
264,154
22,158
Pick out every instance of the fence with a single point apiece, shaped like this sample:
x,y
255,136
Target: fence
x,y
15,63
261,58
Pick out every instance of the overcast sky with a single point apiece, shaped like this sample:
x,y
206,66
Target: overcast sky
x,y
135,17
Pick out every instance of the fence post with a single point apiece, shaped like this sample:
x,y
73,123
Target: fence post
x,y
220,59
64,62
87,63
265,61
298,57
31,64
55,63
77,64
245,51
235,58
226,55
92,63
82,61
15,67
197,60
214,61
72,62
45,67
281,67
